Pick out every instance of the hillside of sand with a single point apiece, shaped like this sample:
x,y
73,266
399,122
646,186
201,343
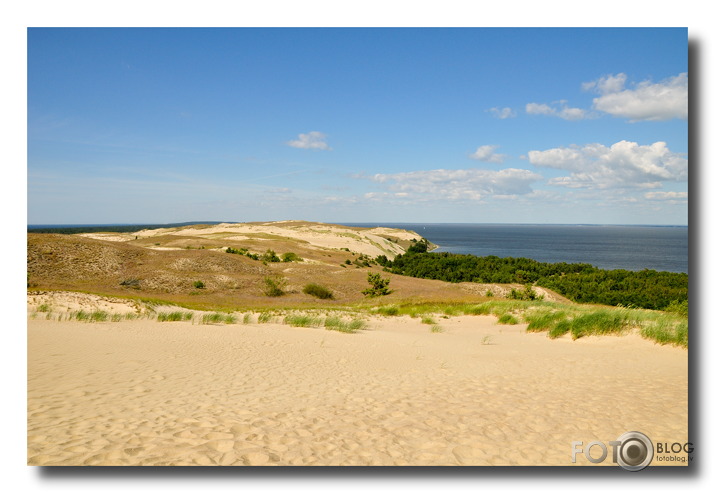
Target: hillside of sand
x,y
167,265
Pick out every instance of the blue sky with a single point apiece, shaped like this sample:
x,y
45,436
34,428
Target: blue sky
x,y
487,125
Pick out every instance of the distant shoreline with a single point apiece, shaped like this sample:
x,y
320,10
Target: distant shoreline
x,y
129,227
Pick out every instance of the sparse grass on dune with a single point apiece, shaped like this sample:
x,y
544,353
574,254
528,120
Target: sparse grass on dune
x,y
218,318
336,323
176,316
508,319
302,320
95,316
556,319
559,319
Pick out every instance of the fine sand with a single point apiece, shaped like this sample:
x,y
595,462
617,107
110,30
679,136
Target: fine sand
x,y
144,392
367,241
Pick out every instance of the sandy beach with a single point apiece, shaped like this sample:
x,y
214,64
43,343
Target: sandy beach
x,y
143,392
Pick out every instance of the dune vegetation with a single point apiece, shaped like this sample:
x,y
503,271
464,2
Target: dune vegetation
x,y
295,275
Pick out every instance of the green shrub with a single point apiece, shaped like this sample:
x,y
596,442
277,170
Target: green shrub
x,y
678,307
378,285
527,293
318,291
199,284
274,286
270,256
290,257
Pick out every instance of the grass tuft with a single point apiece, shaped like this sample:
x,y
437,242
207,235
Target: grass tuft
x,y
95,316
336,323
508,319
174,316
298,320
218,318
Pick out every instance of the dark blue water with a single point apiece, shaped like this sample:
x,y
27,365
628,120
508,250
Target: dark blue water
x,y
662,248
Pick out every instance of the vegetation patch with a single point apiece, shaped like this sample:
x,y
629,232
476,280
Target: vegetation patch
x,y
318,291
290,257
274,286
94,316
299,320
580,282
176,316
508,319
348,327
218,318
378,285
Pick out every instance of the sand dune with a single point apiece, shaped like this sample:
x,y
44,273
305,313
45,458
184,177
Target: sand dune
x,y
144,392
368,241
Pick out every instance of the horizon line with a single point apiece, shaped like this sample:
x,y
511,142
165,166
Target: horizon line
x,y
190,223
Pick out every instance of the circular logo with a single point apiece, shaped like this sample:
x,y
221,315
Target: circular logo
x,y
635,452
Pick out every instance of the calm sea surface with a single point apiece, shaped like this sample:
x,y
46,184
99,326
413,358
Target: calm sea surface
x,y
608,247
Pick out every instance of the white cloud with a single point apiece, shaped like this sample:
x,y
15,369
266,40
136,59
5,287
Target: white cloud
x,y
624,164
561,110
502,113
539,109
664,100
459,184
311,140
666,195
486,153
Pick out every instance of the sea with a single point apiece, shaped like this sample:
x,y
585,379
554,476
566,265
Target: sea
x,y
661,248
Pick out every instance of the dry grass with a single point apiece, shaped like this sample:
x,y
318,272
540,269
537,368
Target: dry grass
x,y
133,269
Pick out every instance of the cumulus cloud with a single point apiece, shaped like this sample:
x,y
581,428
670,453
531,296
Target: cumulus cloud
x,y
647,100
559,109
624,164
311,140
502,113
486,153
459,184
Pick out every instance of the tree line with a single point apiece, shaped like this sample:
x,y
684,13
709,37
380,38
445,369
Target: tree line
x,y
579,282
